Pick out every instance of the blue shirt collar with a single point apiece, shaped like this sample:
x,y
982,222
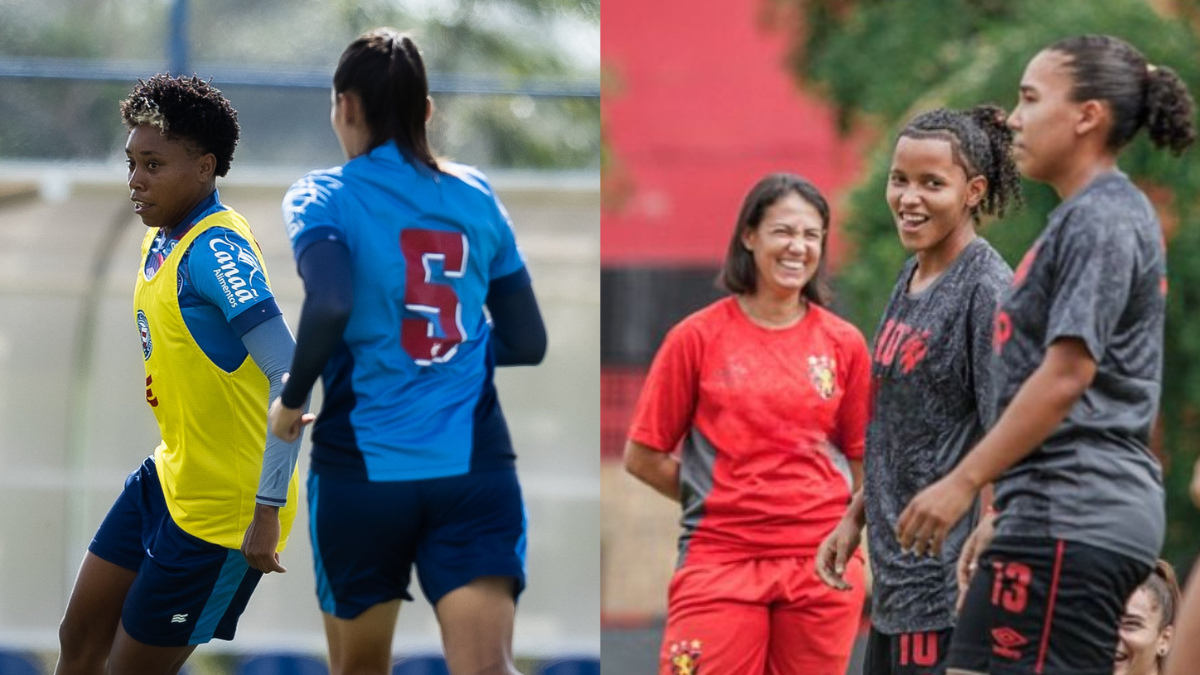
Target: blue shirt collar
x,y
207,206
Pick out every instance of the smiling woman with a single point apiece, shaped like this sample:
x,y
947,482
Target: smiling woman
x,y
767,390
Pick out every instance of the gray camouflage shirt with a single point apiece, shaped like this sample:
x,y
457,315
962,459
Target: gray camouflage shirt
x,y
1097,273
933,397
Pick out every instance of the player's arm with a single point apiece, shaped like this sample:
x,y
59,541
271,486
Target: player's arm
x,y
271,346
658,469
518,333
1040,405
328,300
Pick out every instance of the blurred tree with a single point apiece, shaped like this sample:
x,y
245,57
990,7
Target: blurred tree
x,y
881,62
513,40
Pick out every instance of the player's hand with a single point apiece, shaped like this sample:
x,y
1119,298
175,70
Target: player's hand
x,y
261,540
968,560
1195,489
927,519
287,423
835,552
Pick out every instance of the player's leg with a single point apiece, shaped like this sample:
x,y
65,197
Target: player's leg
x,y
187,592
717,621
813,626
363,540
477,627
471,564
130,657
362,645
109,568
92,617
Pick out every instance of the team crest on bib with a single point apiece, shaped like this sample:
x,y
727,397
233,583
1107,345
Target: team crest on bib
x,y
144,329
685,657
820,373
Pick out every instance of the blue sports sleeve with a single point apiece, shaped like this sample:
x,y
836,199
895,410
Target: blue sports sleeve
x,y
518,333
328,300
508,258
270,345
224,270
310,211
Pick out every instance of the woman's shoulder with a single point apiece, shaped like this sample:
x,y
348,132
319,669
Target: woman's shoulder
x,y
708,319
836,327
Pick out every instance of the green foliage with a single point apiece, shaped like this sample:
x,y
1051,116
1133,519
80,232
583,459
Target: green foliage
x,y
881,62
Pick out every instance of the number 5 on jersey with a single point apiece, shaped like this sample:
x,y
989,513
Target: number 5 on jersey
x,y
424,340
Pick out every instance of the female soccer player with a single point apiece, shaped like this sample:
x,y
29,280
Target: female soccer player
x,y
411,459
164,572
1078,340
931,372
768,391
1148,624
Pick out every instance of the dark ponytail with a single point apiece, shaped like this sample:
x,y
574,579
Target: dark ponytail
x,y
384,68
981,143
1138,93
1168,110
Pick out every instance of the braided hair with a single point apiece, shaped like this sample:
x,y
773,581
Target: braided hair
x,y
1138,93
186,108
980,143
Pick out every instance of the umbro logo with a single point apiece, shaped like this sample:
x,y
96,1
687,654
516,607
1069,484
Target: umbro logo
x,y
179,618
1007,642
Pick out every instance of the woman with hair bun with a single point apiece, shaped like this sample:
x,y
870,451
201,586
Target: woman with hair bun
x,y
412,463
930,370
1078,373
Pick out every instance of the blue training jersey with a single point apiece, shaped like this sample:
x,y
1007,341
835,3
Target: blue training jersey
x,y
408,392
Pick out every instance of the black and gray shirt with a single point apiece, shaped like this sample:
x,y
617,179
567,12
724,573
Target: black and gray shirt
x,y
933,398
1097,274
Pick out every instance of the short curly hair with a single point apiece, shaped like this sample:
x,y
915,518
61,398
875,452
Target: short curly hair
x,y
186,108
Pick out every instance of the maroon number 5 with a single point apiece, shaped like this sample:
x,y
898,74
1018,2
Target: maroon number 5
x,y
433,299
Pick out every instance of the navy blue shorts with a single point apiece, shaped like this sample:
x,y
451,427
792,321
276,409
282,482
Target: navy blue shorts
x,y
187,591
366,536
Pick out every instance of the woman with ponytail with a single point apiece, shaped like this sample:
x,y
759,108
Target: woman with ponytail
x,y
930,370
412,463
1078,372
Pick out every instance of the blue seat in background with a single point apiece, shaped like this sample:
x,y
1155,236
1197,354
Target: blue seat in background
x,y
570,666
18,663
430,664
282,664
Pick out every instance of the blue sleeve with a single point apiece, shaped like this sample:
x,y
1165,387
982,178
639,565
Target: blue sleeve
x,y
508,255
328,300
224,270
270,345
518,333
310,210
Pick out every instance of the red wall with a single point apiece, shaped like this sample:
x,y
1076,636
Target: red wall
x,y
698,105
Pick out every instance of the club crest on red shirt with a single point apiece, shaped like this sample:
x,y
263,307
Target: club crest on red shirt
x,y
685,657
820,372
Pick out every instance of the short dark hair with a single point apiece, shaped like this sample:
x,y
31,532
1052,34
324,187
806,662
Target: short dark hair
x,y
980,143
186,108
1139,93
739,274
385,69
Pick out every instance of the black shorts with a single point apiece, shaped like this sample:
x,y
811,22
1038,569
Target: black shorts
x,y
921,653
1044,606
